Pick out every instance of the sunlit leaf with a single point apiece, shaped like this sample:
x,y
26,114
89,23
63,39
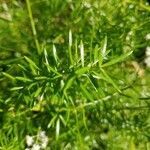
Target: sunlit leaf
x,y
8,76
55,54
62,119
82,53
41,78
68,84
57,128
16,88
34,68
38,92
104,47
51,123
81,71
31,62
53,70
46,58
24,79
70,47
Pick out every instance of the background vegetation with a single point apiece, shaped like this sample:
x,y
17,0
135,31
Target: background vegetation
x,y
75,69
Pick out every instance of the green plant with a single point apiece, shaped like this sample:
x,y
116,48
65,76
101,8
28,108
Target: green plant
x,y
85,93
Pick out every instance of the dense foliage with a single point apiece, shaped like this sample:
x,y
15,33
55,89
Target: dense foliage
x,y
73,71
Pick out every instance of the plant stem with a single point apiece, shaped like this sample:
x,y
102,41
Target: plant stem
x,y
33,26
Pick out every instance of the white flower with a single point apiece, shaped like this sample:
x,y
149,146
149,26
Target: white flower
x,y
36,147
87,5
27,149
41,134
44,143
147,37
148,51
128,37
147,61
43,139
146,3
37,142
29,140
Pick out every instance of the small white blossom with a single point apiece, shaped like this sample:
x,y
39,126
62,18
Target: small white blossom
x,y
36,147
41,134
37,142
43,139
147,61
147,37
29,140
148,51
27,149
87,5
146,3
44,143
129,35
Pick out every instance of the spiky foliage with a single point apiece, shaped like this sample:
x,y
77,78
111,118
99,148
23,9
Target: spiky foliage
x,y
85,93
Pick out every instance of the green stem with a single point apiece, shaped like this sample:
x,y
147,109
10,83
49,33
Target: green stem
x,y
33,26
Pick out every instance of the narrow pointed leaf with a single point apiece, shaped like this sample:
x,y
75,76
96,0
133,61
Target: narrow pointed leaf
x,y
24,79
70,38
82,70
57,128
55,54
110,80
104,47
41,78
53,70
116,60
82,53
38,91
8,76
31,62
46,59
68,84
51,123
16,88
62,120
96,54
86,93
70,47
